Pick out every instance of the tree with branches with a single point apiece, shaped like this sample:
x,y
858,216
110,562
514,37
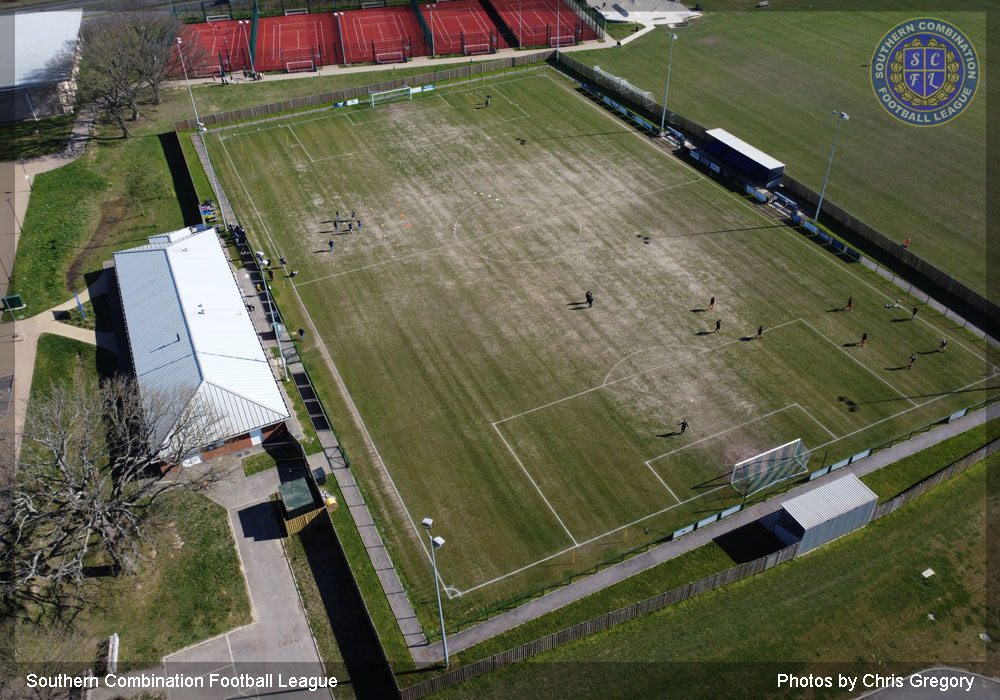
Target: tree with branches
x,y
127,53
95,463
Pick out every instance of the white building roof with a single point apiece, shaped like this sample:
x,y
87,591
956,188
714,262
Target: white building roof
x,y
190,334
39,37
745,148
829,501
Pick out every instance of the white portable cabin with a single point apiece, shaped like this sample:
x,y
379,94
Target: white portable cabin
x,y
825,513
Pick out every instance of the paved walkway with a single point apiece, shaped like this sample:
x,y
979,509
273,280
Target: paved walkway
x,y
331,460
665,552
278,640
17,351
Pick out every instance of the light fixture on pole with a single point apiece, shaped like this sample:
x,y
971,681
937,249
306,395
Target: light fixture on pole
x,y
666,90
843,118
437,543
246,36
430,11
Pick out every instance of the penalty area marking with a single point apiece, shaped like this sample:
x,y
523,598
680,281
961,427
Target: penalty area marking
x,y
533,483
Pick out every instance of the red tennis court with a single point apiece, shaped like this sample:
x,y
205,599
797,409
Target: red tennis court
x,y
543,22
296,42
227,38
462,26
381,35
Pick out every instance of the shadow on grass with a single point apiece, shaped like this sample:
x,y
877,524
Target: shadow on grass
x,y
369,674
187,197
748,543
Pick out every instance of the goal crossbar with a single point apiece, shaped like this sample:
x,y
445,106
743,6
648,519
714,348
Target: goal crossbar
x,y
217,18
562,40
299,66
769,468
390,95
298,11
471,49
209,71
372,3
390,57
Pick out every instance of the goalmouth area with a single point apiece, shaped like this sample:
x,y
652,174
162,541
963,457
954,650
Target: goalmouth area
x,y
542,434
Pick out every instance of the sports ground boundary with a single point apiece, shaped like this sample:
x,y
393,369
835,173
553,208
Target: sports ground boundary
x,y
427,655
642,562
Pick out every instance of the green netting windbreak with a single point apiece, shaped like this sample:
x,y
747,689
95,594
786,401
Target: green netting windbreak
x,y
428,37
254,19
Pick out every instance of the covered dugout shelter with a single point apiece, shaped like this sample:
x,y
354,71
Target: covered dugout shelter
x,y
737,159
824,514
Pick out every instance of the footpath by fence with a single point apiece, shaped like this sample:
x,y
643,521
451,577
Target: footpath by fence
x,y
681,593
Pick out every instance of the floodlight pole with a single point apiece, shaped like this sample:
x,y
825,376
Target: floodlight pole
x,y
340,33
437,543
843,118
666,91
242,24
430,11
557,30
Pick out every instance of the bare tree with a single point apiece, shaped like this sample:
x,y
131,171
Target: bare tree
x,y
158,59
109,67
95,463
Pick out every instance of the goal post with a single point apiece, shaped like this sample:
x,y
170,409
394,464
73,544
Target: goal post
x,y
390,57
476,49
300,66
402,93
768,468
208,71
217,18
369,4
298,11
562,41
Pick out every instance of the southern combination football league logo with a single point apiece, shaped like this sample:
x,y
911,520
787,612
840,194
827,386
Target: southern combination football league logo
x,y
925,71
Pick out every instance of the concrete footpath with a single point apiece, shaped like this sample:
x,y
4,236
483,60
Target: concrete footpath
x,y
665,552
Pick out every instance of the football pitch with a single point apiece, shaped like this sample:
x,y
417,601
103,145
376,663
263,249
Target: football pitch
x,y
542,435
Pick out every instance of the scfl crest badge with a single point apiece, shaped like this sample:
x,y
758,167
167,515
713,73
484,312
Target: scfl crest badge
x,y
925,72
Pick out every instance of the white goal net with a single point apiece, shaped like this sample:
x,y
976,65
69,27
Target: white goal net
x,y
769,468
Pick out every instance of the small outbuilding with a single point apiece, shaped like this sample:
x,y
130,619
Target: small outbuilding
x,y
300,503
825,513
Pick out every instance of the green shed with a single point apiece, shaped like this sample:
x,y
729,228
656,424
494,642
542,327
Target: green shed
x,y
299,504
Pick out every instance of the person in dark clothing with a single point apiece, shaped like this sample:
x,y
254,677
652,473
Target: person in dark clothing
x,y
760,332
302,334
684,426
331,245
718,325
864,338
913,358
590,299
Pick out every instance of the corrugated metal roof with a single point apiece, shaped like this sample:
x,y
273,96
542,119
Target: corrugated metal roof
x,y
828,501
745,148
190,334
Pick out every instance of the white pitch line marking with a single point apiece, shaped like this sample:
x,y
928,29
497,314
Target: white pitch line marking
x,y
658,478
867,368
829,432
632,376
518,459
304,150
721,432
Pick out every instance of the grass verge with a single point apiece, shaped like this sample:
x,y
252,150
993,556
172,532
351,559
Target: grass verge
x,y
893,479
620,30
31,139
865,587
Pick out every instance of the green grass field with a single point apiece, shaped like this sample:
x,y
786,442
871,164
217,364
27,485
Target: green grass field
x,y
772,78
540,434
857,605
